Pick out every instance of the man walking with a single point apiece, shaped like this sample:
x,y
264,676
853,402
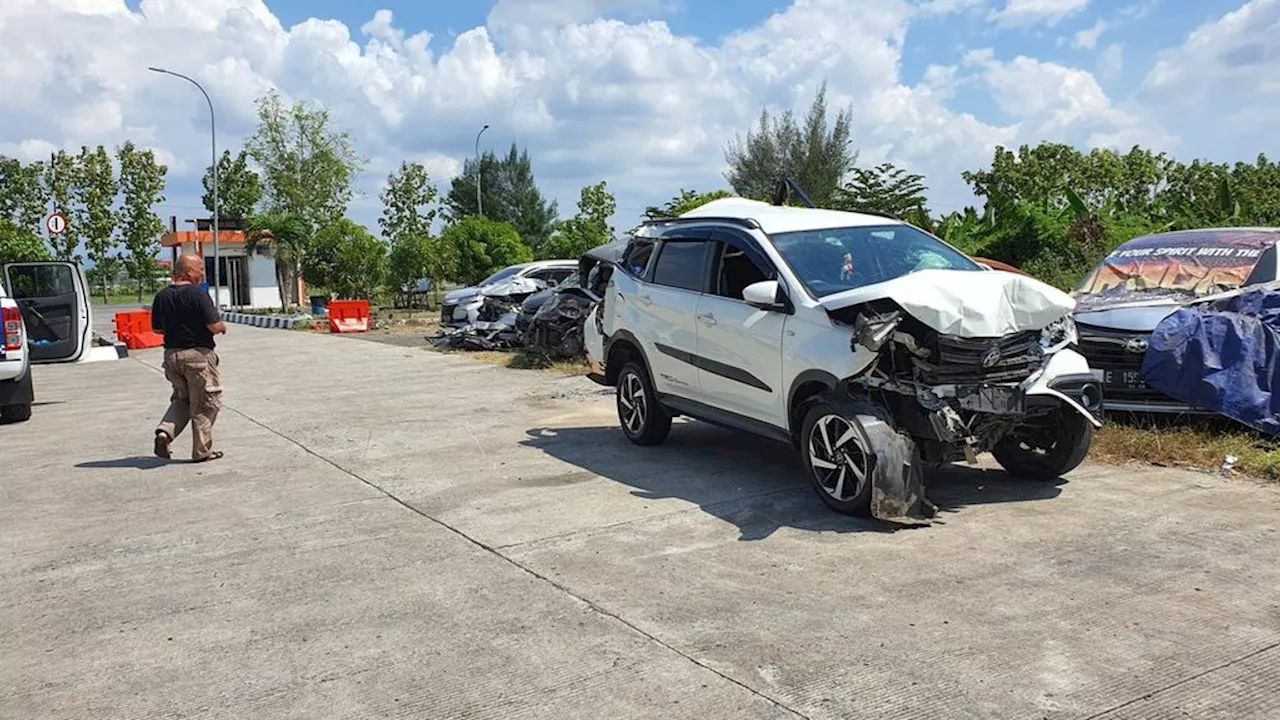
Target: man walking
x,y
186,316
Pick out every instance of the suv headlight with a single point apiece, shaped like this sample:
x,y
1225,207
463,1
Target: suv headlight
x,y
1059,334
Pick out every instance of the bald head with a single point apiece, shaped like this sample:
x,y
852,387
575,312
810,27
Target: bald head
x,y
189,268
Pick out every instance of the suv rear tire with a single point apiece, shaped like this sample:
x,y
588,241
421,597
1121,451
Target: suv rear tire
x,y
15,413
1047,449
644,420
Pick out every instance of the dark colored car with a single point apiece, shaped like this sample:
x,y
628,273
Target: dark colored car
x,y
1145,280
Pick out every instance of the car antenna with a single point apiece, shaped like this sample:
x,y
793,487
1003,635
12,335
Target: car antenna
x,y
787,187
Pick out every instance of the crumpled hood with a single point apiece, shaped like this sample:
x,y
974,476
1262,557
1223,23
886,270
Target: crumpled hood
x,y
967,303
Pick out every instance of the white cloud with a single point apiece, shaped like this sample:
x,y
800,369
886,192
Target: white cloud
x,y
624,99
1061,103
947,7
1026,13
1238,53
1087,39
1222,85
1111,62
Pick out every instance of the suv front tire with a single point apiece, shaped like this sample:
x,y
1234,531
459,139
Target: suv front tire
x,y
644,420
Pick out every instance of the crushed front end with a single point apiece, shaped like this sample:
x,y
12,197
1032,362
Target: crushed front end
x,y
956,397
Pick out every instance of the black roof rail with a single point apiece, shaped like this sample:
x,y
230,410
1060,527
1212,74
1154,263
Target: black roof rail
x,y
878,213
741,222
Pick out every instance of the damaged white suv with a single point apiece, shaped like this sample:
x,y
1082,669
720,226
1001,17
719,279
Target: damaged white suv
x,y
870,345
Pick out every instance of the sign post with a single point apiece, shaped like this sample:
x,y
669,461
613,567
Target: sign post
x,y
56,223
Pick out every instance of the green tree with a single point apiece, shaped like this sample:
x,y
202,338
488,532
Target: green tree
x,y
884,188
816,155
509,194
408,203
480,247
95,192
142,182
61,179
414,257
307,164
589,228
23,196
239,187
286,238
18,244
347,260
308,167
684,202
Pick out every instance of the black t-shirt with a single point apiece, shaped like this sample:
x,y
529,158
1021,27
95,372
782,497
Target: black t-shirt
x,y
184,313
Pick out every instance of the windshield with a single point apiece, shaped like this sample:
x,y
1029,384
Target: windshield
x,y
504,274
1183,264
839,259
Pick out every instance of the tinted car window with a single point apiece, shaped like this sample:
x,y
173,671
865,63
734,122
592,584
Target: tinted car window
x,y
635,260
558,275
682,264
736,271
37,281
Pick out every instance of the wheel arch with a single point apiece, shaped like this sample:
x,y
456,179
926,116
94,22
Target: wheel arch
x,y
807,385
620,348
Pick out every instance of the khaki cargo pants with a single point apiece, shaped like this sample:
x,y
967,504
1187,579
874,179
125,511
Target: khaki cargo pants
x,y
197,397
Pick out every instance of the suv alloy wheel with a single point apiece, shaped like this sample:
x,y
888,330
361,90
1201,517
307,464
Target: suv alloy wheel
x,y
644,420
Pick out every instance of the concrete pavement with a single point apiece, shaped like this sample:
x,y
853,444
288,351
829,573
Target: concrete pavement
x,y
399,533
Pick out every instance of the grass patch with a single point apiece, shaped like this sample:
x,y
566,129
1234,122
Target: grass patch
x,y
122,299
524,360
1189,443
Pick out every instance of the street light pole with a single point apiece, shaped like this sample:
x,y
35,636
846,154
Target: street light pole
x,y
479,172
213,144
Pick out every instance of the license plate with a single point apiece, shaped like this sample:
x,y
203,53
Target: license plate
x,y
996,399
1128,379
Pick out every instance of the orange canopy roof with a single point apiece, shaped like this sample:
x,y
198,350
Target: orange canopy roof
x,y
204,237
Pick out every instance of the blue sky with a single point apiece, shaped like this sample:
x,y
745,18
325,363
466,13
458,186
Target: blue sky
x,y
648,102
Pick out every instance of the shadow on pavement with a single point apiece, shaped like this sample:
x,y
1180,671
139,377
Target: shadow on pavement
x,y
756,484
138,462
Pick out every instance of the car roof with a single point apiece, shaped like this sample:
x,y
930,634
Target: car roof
x,y
782,218
546,263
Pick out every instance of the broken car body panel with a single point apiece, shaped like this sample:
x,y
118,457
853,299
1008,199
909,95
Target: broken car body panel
x,y
981,304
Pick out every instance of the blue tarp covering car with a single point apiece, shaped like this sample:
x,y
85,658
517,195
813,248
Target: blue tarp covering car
x,y
1222,355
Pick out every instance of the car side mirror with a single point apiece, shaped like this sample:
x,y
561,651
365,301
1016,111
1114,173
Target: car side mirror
x,y
766,295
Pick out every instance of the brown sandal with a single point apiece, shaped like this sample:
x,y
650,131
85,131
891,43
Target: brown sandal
x,y
215,455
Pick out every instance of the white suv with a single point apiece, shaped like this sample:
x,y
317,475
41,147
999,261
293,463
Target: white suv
x,y
865,342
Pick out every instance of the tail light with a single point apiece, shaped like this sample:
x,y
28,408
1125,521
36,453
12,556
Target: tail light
x,y
12,328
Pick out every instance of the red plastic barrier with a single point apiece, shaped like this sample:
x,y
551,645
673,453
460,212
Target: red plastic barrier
x,y
349,316
134,330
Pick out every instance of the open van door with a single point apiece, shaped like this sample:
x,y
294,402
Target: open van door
x,y
54,300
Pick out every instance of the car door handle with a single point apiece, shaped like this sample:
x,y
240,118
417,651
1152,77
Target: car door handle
x,y
707,318
644,300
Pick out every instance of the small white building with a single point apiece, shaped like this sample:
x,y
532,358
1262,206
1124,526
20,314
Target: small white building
x,y
247,280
